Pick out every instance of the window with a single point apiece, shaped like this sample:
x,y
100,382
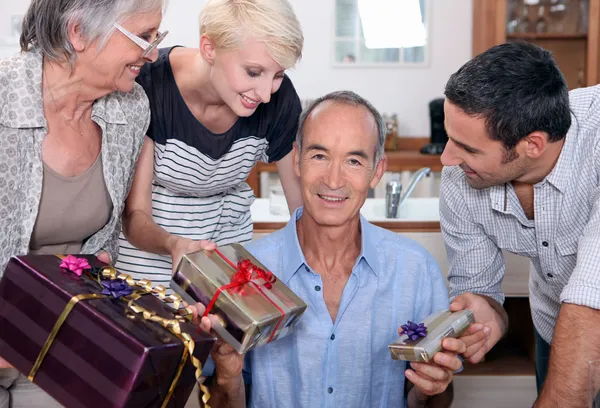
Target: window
x,y
380,32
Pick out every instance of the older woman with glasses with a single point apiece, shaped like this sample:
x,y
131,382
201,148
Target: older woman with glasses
x,y
72,124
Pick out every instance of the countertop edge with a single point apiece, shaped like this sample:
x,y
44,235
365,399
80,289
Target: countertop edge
x,y
404,226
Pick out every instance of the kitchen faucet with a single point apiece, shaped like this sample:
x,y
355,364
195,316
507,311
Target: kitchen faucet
x,y
393,192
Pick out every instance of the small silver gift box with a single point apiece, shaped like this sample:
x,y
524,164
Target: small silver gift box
x,y
252,313
439,326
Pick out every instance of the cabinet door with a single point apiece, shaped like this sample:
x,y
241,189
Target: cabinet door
x,y
489,24
593,45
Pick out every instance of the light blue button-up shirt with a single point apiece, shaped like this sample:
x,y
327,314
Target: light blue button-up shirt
x,y
345,363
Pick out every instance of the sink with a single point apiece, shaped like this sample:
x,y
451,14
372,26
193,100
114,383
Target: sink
x,y
413,209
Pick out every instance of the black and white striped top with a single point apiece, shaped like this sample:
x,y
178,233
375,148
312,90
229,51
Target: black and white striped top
x,y
199,189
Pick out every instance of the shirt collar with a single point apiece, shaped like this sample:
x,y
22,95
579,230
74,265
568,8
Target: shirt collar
x,y
499,199
293,257
25,92
561,174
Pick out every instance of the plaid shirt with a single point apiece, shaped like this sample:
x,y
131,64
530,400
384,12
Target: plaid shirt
x,y
563,241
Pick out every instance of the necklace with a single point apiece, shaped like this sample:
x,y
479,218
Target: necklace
x,y
80,131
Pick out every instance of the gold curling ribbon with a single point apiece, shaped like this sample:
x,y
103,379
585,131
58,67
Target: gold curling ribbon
x,y
170,324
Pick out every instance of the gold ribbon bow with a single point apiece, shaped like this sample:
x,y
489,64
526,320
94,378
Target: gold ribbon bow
x,y
173,325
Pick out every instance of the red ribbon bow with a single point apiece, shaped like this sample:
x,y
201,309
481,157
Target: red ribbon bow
x,y
246,273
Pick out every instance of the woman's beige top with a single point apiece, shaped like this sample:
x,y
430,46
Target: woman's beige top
x,y
71,210
123,118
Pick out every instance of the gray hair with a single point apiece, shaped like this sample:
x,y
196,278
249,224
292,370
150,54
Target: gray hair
x,y
46,23
352,99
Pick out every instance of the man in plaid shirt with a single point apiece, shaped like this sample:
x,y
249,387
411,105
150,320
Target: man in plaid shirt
x,y
522,168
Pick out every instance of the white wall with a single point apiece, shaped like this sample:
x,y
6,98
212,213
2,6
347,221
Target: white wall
x,y
8,8
405,91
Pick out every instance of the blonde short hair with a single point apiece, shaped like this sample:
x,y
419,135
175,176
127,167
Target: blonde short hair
x,y
227,23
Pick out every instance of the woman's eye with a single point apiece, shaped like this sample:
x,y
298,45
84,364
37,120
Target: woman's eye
x,y
252,74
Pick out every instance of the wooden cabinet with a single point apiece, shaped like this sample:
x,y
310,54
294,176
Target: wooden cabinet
x,y
576,47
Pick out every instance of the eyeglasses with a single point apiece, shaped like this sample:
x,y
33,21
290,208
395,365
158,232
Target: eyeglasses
x,y
143,44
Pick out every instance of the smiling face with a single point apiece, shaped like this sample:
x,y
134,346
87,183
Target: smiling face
x,y
243,78
336,162
118,63
485,162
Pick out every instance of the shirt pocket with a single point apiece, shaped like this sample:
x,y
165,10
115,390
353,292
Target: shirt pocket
x,y
567,246
518,240
566,256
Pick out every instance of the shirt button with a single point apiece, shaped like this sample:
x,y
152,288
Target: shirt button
x,y
317,288
550,275
332,337
545,243
330,390
306,268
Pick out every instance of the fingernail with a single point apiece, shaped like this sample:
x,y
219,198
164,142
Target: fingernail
x,y
487,330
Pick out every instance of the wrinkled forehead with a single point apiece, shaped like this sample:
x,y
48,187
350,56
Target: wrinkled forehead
x,y
352,127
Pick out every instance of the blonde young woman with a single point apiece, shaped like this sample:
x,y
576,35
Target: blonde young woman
x,y
72,125
216,111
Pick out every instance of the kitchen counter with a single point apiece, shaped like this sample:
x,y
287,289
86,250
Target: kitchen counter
x,y
415,215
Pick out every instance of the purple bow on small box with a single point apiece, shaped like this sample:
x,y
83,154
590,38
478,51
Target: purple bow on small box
x,y
116,288
414,331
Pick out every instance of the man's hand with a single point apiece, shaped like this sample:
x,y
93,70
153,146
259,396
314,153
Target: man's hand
x,y
434,377
180,246
490,324
228,362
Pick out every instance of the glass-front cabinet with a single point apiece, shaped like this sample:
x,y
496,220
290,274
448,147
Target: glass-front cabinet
x,y
568,28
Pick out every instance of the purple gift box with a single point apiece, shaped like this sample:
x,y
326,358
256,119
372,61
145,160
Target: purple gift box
x,y
104,355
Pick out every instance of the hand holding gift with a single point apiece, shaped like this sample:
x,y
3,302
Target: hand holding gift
x,y
4,363
181,246
488,328
228,362
433,378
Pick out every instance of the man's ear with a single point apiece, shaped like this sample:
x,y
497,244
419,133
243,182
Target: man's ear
x,y
380,169
534,144
296,151
207,49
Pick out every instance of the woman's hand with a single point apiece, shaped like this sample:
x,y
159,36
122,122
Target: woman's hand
x,y
103,256
4,363
180,246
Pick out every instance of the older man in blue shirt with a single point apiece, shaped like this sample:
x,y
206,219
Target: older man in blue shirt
x,y
361,283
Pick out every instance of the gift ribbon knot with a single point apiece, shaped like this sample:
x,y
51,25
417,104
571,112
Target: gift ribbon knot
x,y
247,273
